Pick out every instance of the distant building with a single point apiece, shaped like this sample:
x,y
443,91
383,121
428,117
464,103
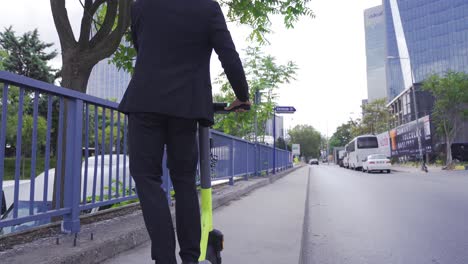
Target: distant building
x,y
364,103
422,38
108,82
279,127
374,22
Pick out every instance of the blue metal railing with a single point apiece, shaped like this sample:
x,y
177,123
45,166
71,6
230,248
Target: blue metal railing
x,y
39,120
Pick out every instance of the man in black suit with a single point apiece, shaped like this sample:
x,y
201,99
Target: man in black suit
x,y
170,92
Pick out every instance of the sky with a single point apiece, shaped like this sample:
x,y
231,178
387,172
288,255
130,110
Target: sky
x,y
328,49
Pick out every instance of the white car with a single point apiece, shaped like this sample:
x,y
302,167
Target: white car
x,y
313,161
377,162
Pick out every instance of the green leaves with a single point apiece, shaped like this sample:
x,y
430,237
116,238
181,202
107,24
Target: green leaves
x,y
257,13
451,97
3,56
309,139
254,13
376,118
342,136
26,55
451,103
264,75
124,56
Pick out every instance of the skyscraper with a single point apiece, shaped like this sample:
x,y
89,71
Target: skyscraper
x,y
424,37
375,53
108,82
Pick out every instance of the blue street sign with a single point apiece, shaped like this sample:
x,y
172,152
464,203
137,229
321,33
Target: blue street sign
x,y
285,109
279,110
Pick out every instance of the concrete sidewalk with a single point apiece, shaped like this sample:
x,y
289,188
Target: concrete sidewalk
x,y
102,240
409,169
264,226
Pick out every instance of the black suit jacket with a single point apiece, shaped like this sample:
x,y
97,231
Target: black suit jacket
x,y
174,41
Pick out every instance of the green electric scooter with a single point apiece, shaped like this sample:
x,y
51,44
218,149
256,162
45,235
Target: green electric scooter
x,y
212,240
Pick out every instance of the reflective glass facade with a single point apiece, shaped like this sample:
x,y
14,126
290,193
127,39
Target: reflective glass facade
x,y
108,82
375,52
430,36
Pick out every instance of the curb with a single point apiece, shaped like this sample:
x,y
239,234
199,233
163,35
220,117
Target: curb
x,y
459,168
116,235
219,201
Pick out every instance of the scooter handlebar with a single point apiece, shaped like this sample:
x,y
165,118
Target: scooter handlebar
x,y
220,108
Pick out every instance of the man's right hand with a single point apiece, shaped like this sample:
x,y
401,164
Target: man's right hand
x,y
236,104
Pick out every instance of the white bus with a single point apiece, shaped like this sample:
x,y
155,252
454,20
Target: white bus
x,y
359,148
346,157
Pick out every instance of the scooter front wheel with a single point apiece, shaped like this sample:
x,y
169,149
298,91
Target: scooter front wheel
x,y
212,256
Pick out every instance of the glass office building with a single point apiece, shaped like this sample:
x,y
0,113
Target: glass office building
x,y
108,82
424,37
374,22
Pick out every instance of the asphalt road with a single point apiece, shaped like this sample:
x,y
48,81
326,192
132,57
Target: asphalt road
x,y
325,214
413,218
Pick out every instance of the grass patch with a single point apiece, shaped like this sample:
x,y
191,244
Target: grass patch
x,y
10,166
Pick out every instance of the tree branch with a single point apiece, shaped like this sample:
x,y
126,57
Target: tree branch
x,y
108,45
62,24
108,24
96,5
86,24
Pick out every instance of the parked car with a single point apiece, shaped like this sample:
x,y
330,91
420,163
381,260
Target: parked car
x,y
313,161
376,162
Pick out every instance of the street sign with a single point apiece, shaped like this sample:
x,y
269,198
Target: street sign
x,y
296,149
279,110
285,109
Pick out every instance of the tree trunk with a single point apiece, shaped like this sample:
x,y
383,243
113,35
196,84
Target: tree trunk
x,y
79,57
448,151
75,71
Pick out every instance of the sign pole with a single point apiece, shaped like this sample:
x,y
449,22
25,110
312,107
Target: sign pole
x,y
274,141
279,110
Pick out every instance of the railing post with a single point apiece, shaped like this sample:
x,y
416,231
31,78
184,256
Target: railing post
x,y
256,158
274,141
72,177
231,179
246,176
3,141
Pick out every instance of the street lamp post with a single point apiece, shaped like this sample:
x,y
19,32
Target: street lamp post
x,y
413,91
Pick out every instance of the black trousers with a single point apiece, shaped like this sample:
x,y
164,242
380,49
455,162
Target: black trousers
x,y
148,133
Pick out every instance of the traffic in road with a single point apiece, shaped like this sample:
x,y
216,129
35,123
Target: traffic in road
x,y
327,215
402,217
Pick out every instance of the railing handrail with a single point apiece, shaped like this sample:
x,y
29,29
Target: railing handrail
x,y
238,157
33,84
